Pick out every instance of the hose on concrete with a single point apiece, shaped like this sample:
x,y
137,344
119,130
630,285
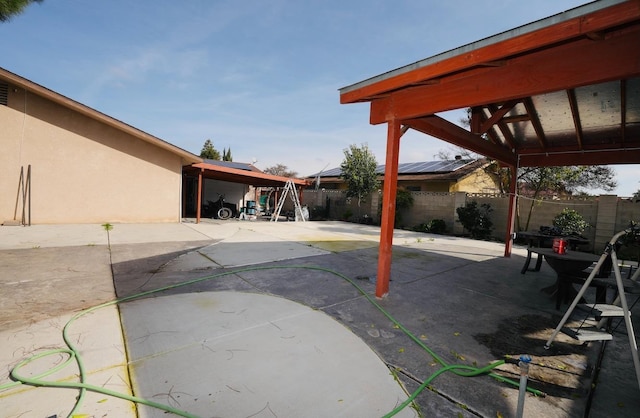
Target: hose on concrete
x,y
73,353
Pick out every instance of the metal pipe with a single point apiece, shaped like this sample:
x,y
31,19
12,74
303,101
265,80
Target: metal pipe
x,y
524,374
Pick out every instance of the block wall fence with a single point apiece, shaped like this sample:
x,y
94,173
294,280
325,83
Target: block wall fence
x,y
607,214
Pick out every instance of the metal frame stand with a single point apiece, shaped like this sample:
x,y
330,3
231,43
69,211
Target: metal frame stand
x,y
619,308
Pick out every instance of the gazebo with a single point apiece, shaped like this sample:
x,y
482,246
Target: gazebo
x,y
560,91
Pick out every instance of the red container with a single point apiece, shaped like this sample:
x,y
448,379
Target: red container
x,y
559,246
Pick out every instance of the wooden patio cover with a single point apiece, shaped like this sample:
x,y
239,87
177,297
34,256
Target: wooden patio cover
x,y
561,91
235,175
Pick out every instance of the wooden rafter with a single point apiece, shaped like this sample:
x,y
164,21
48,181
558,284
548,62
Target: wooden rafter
x,y
497,115
447,131
506,133
535,122
575,114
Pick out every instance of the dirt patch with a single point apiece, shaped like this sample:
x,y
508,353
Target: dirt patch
x,y
564,370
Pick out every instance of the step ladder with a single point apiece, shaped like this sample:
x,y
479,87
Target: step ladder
x,y
289,188
604,312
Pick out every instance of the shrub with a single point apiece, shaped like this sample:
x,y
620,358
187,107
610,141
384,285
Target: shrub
x,y
570,222
436,226
318,213
476,219
404,201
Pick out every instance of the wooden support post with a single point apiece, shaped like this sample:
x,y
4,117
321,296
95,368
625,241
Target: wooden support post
x,y
199,199
511,216
388,208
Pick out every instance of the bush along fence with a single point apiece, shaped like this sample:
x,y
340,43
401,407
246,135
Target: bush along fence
x,y
604,215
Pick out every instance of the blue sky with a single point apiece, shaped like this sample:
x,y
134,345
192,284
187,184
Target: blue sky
x,y
260,77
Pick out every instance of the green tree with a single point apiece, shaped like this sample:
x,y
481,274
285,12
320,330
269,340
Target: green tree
x,y
226,155
209,151
280,170
10,8
359,171
533,181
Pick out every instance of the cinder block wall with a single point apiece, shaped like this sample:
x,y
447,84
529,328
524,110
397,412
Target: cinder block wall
x,y
607,214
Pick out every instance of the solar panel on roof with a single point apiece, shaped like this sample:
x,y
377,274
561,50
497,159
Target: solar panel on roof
x,y
330,173
421,167
229,164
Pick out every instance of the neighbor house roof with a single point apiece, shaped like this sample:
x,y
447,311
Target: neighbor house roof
x,y
441,170
58,98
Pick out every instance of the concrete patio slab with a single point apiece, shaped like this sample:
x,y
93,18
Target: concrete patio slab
x,y
249,247
241,354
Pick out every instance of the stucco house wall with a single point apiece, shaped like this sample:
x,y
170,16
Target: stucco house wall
x,y
475,182
83,170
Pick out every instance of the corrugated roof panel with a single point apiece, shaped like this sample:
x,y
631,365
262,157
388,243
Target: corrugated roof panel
x,y
600,114
554,113
599,105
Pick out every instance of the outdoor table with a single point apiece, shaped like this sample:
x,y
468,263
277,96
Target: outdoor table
x,y
568,267
537,240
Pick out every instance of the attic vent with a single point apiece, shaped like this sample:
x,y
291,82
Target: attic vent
x,y
4,94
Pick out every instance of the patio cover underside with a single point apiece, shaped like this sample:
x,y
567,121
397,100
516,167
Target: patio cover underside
x,y
562,91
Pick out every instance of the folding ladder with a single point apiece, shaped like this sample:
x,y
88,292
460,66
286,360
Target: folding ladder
x,y
289,188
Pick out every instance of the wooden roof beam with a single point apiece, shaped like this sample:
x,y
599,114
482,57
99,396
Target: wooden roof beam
x,y
579,63
558,33
443,129
599,157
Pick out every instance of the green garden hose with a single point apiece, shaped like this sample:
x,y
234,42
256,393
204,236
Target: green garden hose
x,y
73,354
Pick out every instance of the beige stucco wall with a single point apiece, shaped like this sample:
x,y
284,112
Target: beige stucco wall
x,y
82,170
476,182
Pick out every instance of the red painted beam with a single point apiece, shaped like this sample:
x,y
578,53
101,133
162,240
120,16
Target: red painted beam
x,y
199,199
599,157
579,63
388,208
511,216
